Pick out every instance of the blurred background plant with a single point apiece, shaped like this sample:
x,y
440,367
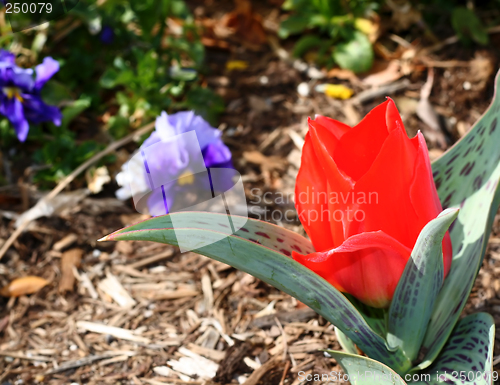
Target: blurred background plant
x,y
121,65
338,32
343,31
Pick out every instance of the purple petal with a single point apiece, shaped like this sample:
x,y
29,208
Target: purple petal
x,y
13,110
185,121
45,71
160,200
216,154
164,129
36,111
7,57
19,77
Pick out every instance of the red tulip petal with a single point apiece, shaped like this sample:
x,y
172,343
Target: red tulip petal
x,y
324,143
392,117
390,176
447,253
423,192
334,126
358,148
309,179
367,266
424,197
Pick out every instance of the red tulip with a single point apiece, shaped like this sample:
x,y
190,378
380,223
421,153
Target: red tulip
x,y
363,195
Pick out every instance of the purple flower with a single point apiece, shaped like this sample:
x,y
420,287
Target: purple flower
x,y
107,35
20,99
174,162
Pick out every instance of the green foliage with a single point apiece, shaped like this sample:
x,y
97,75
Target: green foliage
x,y
366,371
416,293
467,358
464,20
331,28
467,176
355,54
468,26
143,67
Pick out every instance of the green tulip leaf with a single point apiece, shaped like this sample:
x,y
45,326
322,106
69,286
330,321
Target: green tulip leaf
x,y
414,298
467,177
467,357
258,248
345,342
362,370
376,318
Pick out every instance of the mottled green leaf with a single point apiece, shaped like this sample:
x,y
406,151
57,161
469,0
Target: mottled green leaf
x,y
467,357
261,249
466,176
375,317
365,371
414,298
345,342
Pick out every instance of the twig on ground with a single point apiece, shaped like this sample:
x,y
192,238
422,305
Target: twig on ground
x,y
66,181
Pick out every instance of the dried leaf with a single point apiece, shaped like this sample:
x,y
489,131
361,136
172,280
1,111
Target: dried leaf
x,y
337,91
96,178
69,260
245,23
23,286
236,65
428,115
391,73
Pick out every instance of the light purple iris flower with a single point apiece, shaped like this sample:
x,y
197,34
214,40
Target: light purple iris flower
x,y
172,160
20,99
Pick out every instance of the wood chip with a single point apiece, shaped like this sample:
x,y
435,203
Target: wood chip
x,y
69,260
193,364
174,294
116,332
112,287
211,354
153,259
67,241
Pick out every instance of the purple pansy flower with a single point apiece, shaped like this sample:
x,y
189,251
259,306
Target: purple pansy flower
x,y
107,35
20,99
175,158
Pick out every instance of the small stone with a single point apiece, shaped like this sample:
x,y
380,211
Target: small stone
x,y
467,86
303,89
